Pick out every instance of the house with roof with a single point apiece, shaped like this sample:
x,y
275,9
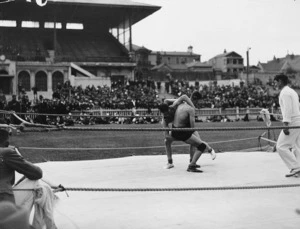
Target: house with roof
x,y
173,57
230,63
194,71
182,65
289,64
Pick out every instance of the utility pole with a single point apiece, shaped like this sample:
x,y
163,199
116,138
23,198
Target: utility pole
x,y
247,54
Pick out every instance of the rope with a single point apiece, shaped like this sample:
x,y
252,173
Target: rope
x,y
220,188
25,123
176,129
129,148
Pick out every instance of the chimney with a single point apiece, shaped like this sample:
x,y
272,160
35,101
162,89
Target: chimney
x,y
190,49
225,51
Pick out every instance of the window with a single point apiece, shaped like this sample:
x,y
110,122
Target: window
x,y
50,25
75,26
57,78
30,24
7,23
234,61
41,81
24,80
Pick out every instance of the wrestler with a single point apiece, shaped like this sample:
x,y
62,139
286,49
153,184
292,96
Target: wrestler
x,y
168,118
184,117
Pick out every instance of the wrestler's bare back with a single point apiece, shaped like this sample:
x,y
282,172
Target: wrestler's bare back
x,y
182,115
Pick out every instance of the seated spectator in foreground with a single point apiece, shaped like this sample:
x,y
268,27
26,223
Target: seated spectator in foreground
x,y
12,161
42,198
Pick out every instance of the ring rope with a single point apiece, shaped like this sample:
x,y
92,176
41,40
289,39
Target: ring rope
x,y
220,188
130,148
176,129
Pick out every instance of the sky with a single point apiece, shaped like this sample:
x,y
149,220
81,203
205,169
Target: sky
x,y
267,28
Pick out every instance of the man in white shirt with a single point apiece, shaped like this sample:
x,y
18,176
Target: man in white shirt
x,y
288,143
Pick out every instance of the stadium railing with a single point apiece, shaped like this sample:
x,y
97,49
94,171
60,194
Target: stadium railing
x,y
232,113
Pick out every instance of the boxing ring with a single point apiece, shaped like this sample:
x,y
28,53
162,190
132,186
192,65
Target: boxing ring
x,y
144,203
237,190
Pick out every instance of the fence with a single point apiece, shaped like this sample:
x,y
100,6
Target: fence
x,y
232,113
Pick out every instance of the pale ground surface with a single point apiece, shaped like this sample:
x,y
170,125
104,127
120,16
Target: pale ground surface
x,y
238,209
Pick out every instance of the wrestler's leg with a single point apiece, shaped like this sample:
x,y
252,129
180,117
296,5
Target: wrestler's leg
x,y
209,149
168,143
196,142
192,152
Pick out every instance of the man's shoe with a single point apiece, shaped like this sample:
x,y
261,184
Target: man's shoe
x,y
193,169
293,173
169,166
198,166
213,154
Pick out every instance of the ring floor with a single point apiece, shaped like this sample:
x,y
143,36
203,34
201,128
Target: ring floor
x,y
234,209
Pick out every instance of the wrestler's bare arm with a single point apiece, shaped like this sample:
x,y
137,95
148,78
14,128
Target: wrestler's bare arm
x,y
191,113
180,100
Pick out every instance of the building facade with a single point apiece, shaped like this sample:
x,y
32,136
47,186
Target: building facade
x,y
228,62
173,58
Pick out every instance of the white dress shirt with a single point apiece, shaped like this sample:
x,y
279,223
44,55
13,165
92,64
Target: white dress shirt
x,y
289,104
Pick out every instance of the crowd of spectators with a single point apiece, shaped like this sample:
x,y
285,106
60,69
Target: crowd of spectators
x,y
67,99
131,95
216,96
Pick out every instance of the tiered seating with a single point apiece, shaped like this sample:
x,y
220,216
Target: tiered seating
x,y
23,44
87,47
32,44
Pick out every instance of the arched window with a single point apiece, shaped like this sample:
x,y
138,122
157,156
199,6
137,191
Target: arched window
x,y
57,78
24,80
41,81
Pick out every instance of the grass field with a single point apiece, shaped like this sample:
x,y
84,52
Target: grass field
x,y
115,144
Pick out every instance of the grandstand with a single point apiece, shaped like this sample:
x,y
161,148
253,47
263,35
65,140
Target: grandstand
x,y
82,41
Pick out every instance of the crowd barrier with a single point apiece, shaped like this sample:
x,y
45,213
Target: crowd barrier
x,y
232,113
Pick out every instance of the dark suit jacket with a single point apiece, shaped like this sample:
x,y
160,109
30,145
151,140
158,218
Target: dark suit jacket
x,y
11,161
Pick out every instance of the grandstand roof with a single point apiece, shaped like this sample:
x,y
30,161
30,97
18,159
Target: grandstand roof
x,y
102,2
111,13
